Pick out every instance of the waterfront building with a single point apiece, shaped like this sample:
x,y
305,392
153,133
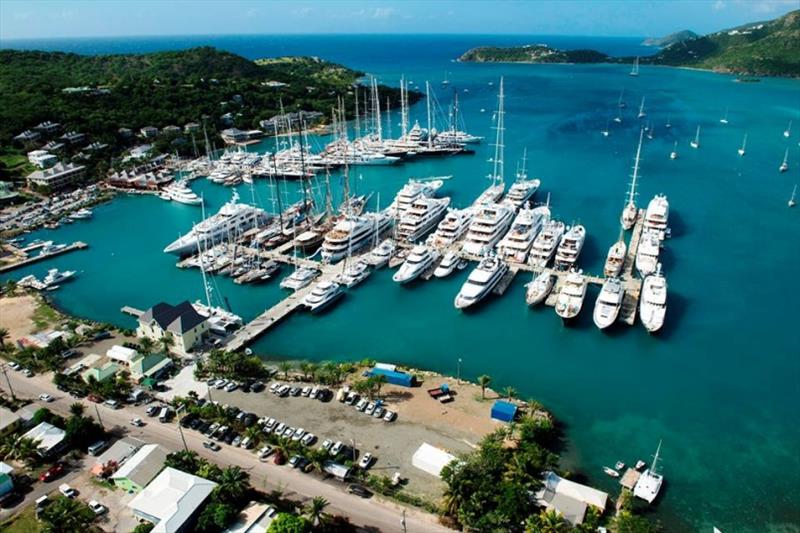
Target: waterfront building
x,y
139,470
171,501
56,177
569,499
49,439
42,158
148,132
150,366
182,322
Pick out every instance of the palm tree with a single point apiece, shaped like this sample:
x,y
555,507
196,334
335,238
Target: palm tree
x,y
76,409
11,287
548,522
65,515
166,343
378,381
510,392
285,367
303,366
24,449
315,510
146,345
254,434
484,382
233,483
3,337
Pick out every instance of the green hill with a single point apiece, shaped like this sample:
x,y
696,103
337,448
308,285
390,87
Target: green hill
x,y
537,53
672,38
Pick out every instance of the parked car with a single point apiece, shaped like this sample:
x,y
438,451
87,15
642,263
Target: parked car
x,y
284,391
258,386
280,429
358,490
246,443
390,416
288,432
306,391
326,444
97,507
308,439
273,388
113,404
265,452
27,372
365,461
67,491
137,422
98,447
213,446
379,411
270,423
14,365
101,335
336,448
361,405
211,429
370,408
10,499
221,384
230,437
298,434
295,391
232,386
351,398
46,398
236,441
152,410
294,461
314,393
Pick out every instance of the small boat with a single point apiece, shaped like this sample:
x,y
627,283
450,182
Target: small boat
x,y
447,266
642,113
792,201
618,118
620,465
724,119
604,132
668,125
610,471
744,144
640,464
785,165
635,68
695,143
788,131
539,288
81,214
621,103
299,278
674,153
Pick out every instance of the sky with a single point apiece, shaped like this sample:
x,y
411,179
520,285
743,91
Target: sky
x,y
29,19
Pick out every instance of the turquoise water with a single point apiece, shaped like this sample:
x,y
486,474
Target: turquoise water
x,y
719,385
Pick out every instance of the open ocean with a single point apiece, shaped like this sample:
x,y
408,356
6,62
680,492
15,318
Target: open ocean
x,y
721,383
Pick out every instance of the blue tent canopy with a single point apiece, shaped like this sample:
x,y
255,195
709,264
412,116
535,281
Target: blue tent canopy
x,y
504,411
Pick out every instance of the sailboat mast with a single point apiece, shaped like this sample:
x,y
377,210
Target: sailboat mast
x,y
428,108
654,466
277,178
358,120
632,193
498,169
403,106
388,118
378,126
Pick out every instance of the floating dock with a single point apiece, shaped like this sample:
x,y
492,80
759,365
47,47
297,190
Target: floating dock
x,y
128,310
41,257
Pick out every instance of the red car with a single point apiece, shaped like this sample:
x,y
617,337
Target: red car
x,y
52,472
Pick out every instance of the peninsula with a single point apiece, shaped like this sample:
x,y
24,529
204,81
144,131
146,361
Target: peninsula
x,y
769,48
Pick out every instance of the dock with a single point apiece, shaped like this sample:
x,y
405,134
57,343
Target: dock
x,y
128,310
78,245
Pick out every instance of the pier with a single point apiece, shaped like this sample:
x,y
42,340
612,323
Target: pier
x,y
78,245
128,310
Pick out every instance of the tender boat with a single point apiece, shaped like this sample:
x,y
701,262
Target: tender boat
x,y
323,295
447,266
649,484
674,153
570,298
539,288
695,143
570,247
418,261
640,464
648,252
653,302
608,304
299,278
619,466
610,471
785,164
792,201
615,259
545,244
381,254
481,281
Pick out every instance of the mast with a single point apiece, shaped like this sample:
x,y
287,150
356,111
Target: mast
x,y
388,118
428,108
277,179
654,466
303,181
378,126
499,147
632,192
358,120
403,106
208,144
522,174
697,135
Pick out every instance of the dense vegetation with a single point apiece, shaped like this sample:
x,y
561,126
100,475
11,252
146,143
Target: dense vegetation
x,y
764,49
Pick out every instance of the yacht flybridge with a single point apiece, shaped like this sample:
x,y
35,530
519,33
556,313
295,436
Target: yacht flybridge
x,y
411,192
454,224
419,219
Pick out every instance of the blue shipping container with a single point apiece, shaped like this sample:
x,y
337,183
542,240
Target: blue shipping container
x,y
504,411
394,377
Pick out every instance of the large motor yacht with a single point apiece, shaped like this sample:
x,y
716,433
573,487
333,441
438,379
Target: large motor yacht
x,y
608,303
299,279
354,273
570,247
353,233
421,217
323,295
452,227
487,228
449,263
647,252
539,288
418,261
516,244
653,302
492,194
180,192
570,298
657,214
521,192
411,191
545,244
381,254
481,281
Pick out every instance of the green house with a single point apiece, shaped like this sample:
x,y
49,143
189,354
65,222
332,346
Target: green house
x,y
101,373
140,469
149,366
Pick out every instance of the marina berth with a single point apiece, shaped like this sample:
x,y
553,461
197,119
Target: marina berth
x,y
539,288
516,244
615,259
323,295
481,281
381,254
545,244
657,215
299,279
452,227
647,253
570,247
608,303
490,223
653,302
422,217
448,265
571,296
353,233
418,261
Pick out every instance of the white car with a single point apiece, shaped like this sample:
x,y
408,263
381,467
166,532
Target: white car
x,y
306,391
14,366
361,405
46,398
265,452
67,491
366,461
336,448
370,408
97,507
326,444
390,416
308,439
299,433
137,422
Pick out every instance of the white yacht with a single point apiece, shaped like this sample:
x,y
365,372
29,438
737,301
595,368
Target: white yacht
x,y
615,258
220,320
381,254
418,261
741,150
539,288
51,248
545,244
54,277
695,143
647,252
454,224
181,193
411,191
81,214
674,153
487,228
570,247
447,266
785,164
571,296
657,215
516,244
521,192
609,302
457,137
423,215
792,202
481,281
649,483
352,234
233,218
653,302
299,279
354,273
323,295
492,194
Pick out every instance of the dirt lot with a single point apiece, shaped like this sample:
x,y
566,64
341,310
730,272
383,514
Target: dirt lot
x,y
455,427
16,315
118,517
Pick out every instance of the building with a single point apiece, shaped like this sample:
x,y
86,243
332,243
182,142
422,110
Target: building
x,y
6,481
191,127
9,421
96,146
73,137
182,322
56,177
431,459
101,372
125,133
48,127
42,158
235,135
394,377
150,366
171,501
50,439
339,471
40,340
122,355
119,452
253,519
140,469
148,132
28,137
504,411
568,498
53,146
7,195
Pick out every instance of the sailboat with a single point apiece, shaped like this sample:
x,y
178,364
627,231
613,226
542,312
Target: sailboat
x,y
724,119
792,201
674,153
621,103
635,69
495,190
788,131
668,125
649,483
695,143
604,132
785,165
642,114
618,118
744,145
649,130
630,212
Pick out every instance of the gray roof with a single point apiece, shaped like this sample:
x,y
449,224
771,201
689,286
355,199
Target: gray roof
x,y
145,465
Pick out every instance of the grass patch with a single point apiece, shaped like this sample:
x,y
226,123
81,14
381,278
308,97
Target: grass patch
x,y
24,522
104,483
44,315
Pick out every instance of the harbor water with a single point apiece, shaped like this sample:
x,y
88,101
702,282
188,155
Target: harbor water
x,y
720,385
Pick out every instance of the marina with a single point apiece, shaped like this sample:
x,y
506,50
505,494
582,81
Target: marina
x,y
42,256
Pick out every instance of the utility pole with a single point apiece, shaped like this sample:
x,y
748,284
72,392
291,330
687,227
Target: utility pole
x,y
458,371
403,521
10,388
180,429
96,410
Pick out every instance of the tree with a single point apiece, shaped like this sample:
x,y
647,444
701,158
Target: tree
x,y
289,523
146,345
304,367
65,515
20,449
216,516
167,341
315,510
547,522
3,337
627,522
11,287
510,392
77,409
285,367
184,460
233,484
484,382
377,382
143,527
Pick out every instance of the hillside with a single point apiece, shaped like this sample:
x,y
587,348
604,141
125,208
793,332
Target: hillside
x,y
761,48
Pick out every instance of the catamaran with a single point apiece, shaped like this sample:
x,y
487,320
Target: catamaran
x,y
695,143
630,212
635,68
785,164
608,304
653,303
649,483
744,145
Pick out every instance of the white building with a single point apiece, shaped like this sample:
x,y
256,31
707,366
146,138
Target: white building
x,y
42,158
49,438
431,459
171,500
182,322
568,498
56,177
123,355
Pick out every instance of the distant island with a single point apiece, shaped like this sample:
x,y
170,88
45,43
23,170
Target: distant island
x,y
769,48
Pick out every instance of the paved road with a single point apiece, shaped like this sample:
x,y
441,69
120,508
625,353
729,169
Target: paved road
x,y
375,514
